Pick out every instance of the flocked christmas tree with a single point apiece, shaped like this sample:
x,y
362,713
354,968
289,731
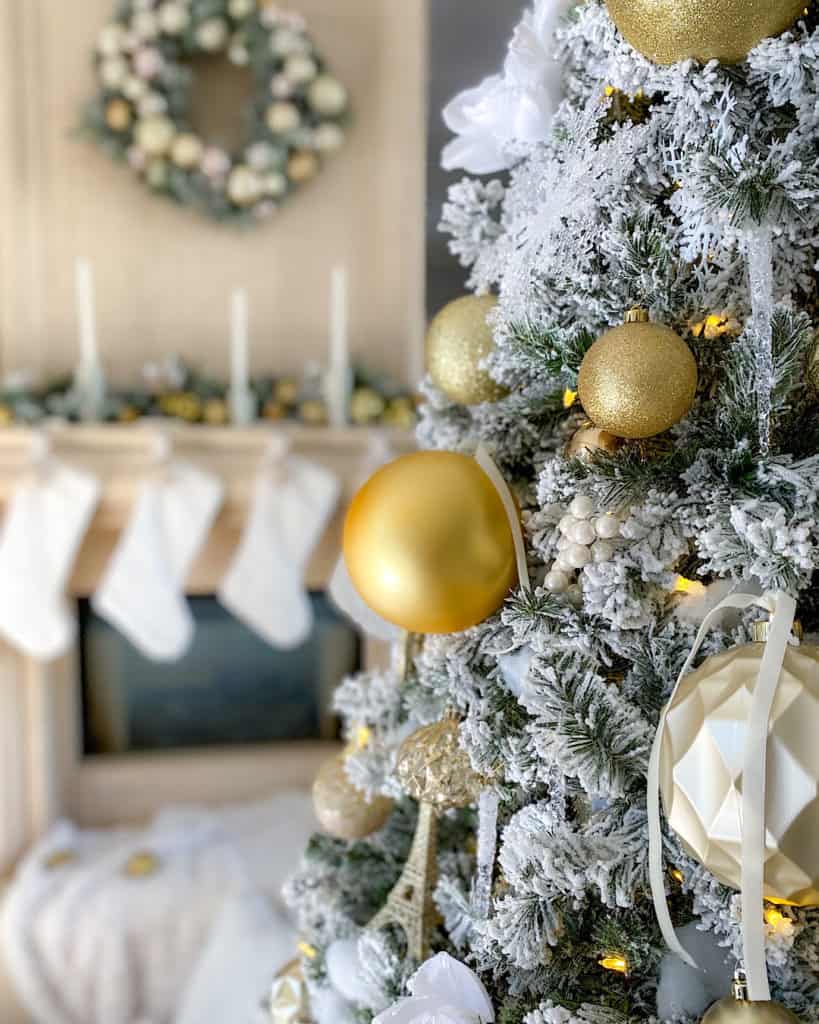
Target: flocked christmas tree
x,y
648,392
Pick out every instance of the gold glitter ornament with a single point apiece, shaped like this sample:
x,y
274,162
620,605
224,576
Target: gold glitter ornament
x,y
638,379
142,865
458,340
667,31
428,544
702,760
433,767
739,1010
342,810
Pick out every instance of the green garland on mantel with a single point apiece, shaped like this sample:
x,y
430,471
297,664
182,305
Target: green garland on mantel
x,y
141,113
174,390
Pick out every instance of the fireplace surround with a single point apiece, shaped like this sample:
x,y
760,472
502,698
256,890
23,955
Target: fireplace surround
x,y
44,773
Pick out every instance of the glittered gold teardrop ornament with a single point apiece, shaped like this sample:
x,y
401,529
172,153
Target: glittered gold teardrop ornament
x,y
667,31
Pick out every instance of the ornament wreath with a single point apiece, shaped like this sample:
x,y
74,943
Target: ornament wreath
x,y
141,113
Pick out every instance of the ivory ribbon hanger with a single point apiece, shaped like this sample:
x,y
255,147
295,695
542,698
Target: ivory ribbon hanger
x,y
783,610
488,465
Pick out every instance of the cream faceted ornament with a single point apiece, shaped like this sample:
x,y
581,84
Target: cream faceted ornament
x,y
701,769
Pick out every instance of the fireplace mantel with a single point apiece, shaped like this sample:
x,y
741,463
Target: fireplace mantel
x,y
43,775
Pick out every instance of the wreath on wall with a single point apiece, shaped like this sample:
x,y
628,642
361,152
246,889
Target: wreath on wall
x,y
296,117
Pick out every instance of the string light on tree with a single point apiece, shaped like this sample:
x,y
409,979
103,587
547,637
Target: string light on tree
x,y
616,962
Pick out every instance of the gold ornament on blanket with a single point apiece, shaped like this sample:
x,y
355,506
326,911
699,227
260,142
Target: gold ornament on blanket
x,y
702,761
667,31
639,379
458,340
434,769
428,543
739,1010
343,810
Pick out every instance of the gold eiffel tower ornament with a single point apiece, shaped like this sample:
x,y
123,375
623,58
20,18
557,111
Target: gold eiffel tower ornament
x,y
434,769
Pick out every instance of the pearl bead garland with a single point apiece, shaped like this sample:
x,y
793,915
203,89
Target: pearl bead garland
x,y
586,537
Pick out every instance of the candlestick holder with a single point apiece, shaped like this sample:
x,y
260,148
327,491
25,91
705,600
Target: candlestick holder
x,y
244,406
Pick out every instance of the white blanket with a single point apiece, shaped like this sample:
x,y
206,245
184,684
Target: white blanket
x,y
85,943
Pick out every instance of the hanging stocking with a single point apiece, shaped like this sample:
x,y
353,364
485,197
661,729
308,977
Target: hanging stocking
x,y
142,590
264,586
45,523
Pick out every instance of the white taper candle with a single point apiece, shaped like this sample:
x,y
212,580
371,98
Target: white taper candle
x,y
339,355
86,314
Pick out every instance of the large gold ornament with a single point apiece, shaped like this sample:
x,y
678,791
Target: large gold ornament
x,y
702,760
433,767
428,544
342,810
738,1010
667,31
639,379
458,340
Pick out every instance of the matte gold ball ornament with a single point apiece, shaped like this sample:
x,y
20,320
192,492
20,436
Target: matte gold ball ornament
x,y
343,810
590,439
739,1010
428,543
701,769
668,31
639,379
458,340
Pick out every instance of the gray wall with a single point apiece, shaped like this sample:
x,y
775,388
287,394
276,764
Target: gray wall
x,y
468,40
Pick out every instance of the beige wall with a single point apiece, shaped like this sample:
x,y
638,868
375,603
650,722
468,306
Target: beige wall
x,y
163,273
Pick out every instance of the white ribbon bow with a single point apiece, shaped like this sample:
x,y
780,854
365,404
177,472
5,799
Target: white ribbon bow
x,y
783,610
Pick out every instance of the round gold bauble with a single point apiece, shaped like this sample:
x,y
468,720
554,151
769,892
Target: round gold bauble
x,y
638,380
302,166
667,31
342,810
428,544
433,767
703,749
458,340
735,1011
590,439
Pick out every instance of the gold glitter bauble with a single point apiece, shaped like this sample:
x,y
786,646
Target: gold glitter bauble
x,y
342,810
458,339
433,767
701,769
638,380
366,406
590,439
735,1011
667,31
302,166
118,115
428,544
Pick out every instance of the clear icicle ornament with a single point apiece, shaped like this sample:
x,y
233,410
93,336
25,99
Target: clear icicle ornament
x,y
760,273
487,847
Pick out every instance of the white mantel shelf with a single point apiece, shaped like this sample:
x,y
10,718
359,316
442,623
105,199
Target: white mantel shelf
x,y
43,775
121,456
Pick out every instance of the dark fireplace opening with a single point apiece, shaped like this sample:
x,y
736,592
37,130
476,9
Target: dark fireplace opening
x,y
231,688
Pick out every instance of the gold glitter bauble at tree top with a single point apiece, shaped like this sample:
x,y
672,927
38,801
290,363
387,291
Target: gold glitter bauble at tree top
x,y
639,379
342,810
703,750
458,340
428,544
434,769
667,31
590,439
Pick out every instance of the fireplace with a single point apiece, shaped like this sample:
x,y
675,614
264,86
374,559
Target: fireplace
x,y
229,689
79,740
